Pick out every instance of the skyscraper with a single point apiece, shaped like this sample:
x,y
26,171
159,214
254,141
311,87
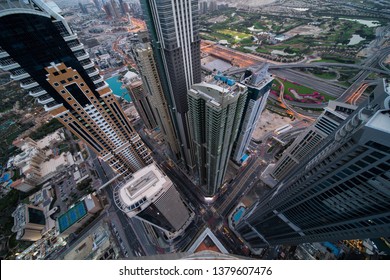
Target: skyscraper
x,y
258,81
42,52
174,34
341,190
334,114
141,101
215,111
150,196
143,55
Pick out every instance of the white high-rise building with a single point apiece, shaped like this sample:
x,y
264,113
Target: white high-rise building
x,y
151,196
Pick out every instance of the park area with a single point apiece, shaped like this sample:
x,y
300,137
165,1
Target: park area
x,y
285,39
298,93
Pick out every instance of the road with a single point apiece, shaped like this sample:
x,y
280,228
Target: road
x,y
330,88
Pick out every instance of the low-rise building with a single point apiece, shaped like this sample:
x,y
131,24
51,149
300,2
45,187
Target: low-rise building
x,y
29,222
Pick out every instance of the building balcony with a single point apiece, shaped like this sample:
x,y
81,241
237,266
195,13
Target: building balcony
x,y
8,63
70,37
98,80
3,53
92,72
146,156
135,138
87,64
77,47
37,92
140,146
101,85
81,55
28,83
45,99
20,76
51,106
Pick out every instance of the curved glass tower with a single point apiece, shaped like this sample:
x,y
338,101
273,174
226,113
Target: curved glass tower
x,y
40,50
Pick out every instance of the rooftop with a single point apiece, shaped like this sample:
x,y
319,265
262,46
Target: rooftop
x,y
380,121
72,216
257,76
216,91
145,184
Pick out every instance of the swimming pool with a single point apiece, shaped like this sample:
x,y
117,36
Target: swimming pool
x,y
117,89
239,213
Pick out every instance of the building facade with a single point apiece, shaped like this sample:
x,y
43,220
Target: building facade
x,y
143,55
141,101
42,52
341,190
215,112
259,82
334,114
29,222
151,197
174,34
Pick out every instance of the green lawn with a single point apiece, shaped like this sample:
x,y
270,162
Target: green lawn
x,y
239,35
302,90
258,25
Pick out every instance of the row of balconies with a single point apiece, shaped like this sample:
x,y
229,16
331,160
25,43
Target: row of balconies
x,y
7,64
37,91
81,55
45,99
92,71
19,74
75,45
3,53
97,79
28,83
87,63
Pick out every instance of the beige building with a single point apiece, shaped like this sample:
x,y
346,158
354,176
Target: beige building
x,y
36,164
29,222
143,54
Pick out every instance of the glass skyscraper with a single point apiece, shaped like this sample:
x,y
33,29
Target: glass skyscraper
x,y
340,190
216,109
174,35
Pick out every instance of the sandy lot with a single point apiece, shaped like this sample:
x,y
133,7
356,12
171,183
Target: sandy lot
x,y
269,122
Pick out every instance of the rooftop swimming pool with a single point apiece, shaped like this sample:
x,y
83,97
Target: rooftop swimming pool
x,y
239,213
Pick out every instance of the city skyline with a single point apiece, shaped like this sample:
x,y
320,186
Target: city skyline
x,y
193,129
